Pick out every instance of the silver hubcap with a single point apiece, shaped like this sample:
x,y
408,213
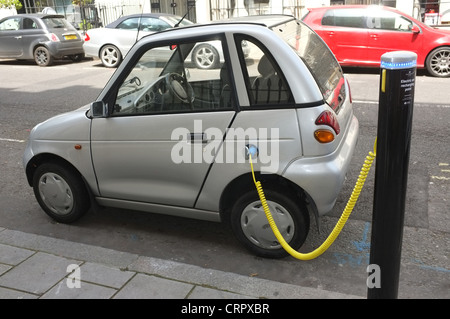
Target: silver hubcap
x,y
110,56
440,62
41,56
56,193
257,229
205,57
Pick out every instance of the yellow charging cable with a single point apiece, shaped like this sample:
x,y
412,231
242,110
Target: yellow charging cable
x,y
341,222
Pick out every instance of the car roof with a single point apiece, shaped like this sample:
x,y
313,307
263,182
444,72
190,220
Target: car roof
x,y
39,15
140,15
268,20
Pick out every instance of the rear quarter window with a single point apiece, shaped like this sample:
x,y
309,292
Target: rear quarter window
x,y
318,58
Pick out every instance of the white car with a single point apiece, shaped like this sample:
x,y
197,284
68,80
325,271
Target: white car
x,y
165,137
113,42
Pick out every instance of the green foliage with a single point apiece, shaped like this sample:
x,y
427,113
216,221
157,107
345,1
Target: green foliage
x,y
10,4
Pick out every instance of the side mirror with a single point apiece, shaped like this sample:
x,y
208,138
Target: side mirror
x,y
99,109
415,29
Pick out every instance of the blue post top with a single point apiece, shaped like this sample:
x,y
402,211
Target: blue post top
x,y
398,60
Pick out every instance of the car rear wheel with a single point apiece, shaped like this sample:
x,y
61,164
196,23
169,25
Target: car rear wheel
x,y
60,192
42,56
438,62
251,228
110,56
205,57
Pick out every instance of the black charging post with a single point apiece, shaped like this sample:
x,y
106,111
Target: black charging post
x,y
395,112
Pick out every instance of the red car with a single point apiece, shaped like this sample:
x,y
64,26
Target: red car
x,y
359,35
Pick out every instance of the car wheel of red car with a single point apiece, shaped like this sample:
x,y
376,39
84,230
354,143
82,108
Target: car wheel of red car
x,y
438,62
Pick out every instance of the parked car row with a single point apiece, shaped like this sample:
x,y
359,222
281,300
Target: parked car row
x,y
357,35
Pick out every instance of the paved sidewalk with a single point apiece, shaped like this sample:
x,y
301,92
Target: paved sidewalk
x,y
35,266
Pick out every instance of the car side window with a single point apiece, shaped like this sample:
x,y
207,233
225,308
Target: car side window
x,y
266,84
387,20
29,24
166,79
350,18
153,24
12,24
129,24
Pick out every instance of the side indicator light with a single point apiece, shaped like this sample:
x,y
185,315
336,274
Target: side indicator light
x,y
324,136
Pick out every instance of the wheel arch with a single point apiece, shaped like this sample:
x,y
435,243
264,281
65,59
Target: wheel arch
x,y
39,159
244,183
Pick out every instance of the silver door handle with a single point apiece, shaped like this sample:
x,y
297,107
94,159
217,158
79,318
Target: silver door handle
x,y
18,37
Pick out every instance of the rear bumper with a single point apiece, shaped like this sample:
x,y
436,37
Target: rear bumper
x,y
322,177
61,49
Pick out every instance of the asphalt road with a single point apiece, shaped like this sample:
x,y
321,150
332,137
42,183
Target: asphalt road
x,y
31,94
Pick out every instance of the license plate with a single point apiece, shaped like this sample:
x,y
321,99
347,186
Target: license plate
x,y
70,37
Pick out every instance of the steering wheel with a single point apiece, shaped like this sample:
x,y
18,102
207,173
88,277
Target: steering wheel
x,y
180,87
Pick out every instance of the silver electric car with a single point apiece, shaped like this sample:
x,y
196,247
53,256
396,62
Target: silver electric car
x,y
166,137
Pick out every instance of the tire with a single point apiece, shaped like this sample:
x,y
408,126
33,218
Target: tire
x,y
42,56
251,228
205,57
60,192
438,62
110,56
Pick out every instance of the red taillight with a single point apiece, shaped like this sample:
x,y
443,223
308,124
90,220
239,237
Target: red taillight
x,y
87,37
53,37
327,118
330,119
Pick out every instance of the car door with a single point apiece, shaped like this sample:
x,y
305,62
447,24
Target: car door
x,y
166,127
390,31
11,38
345,32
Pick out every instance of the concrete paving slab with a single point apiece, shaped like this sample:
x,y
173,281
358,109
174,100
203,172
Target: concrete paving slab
x,y
84,291
4,268
6,293
104,275
151,287
37,274
13,255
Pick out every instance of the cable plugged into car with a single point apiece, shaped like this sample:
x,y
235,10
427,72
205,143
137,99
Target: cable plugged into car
x,y
339,225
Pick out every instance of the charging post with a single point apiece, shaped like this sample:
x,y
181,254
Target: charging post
x,y
395,111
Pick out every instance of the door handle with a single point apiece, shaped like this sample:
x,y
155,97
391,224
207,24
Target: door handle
x,y
198,138
18,37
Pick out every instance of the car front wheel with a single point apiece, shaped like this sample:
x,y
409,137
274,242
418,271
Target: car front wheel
x,y
60,192
110,56
251,228
42,56
438,62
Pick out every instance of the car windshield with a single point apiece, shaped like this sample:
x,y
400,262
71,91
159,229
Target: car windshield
x,y
56,22
319,59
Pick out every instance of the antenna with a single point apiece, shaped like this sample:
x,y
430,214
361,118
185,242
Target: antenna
x,y
189,9
139,25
